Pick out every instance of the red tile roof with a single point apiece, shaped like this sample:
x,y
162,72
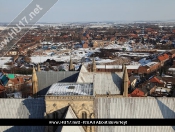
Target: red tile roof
x,y
2,87
155,80
17,80
163,57
149,29
137,93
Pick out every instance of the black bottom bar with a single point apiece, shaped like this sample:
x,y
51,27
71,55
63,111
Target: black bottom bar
x,y
89,122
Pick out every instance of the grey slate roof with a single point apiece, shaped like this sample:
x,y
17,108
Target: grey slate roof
x,y
22,108
103,82
46,79
135,108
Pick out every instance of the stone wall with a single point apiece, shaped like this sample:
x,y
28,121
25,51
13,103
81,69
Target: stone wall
x,y
79,104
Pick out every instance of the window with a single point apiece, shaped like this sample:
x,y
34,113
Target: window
x,y
55,115
84,115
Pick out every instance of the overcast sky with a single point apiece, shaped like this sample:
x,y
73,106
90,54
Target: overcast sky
x,y
95,10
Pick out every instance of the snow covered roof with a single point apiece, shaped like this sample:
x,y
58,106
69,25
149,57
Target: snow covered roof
x,y
162,90
144,61
16,95
71,89
40,59
4,60
117,66
109,66
171,69
151,64
134,54
116,46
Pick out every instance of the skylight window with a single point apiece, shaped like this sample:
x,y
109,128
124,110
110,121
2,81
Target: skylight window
x,y
71,87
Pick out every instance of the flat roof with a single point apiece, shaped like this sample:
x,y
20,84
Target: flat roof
x,y
117,66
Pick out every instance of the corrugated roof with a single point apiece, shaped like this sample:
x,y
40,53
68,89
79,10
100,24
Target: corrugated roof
x,y
136,107
22,108
103,82
46,79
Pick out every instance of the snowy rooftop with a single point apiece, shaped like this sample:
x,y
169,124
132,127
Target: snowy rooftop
x,y
171,69
144,61
16,95
4,60
134,54
40,59
71,89
116,66
151,64
116,46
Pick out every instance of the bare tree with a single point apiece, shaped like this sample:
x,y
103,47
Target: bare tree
x,y
27,59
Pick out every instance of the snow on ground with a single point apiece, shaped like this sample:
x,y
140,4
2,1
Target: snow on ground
x,y
116,46
133,54
41,59
2,28
104,61
4,60
113,46
76,56
101,61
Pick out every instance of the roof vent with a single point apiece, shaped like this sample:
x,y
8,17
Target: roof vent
x,y
71,87
108,93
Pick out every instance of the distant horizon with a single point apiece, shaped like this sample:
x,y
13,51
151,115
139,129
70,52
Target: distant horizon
x,y
65,11
124,21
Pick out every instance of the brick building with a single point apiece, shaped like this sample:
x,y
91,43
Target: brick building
x,y
163,59
149,68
